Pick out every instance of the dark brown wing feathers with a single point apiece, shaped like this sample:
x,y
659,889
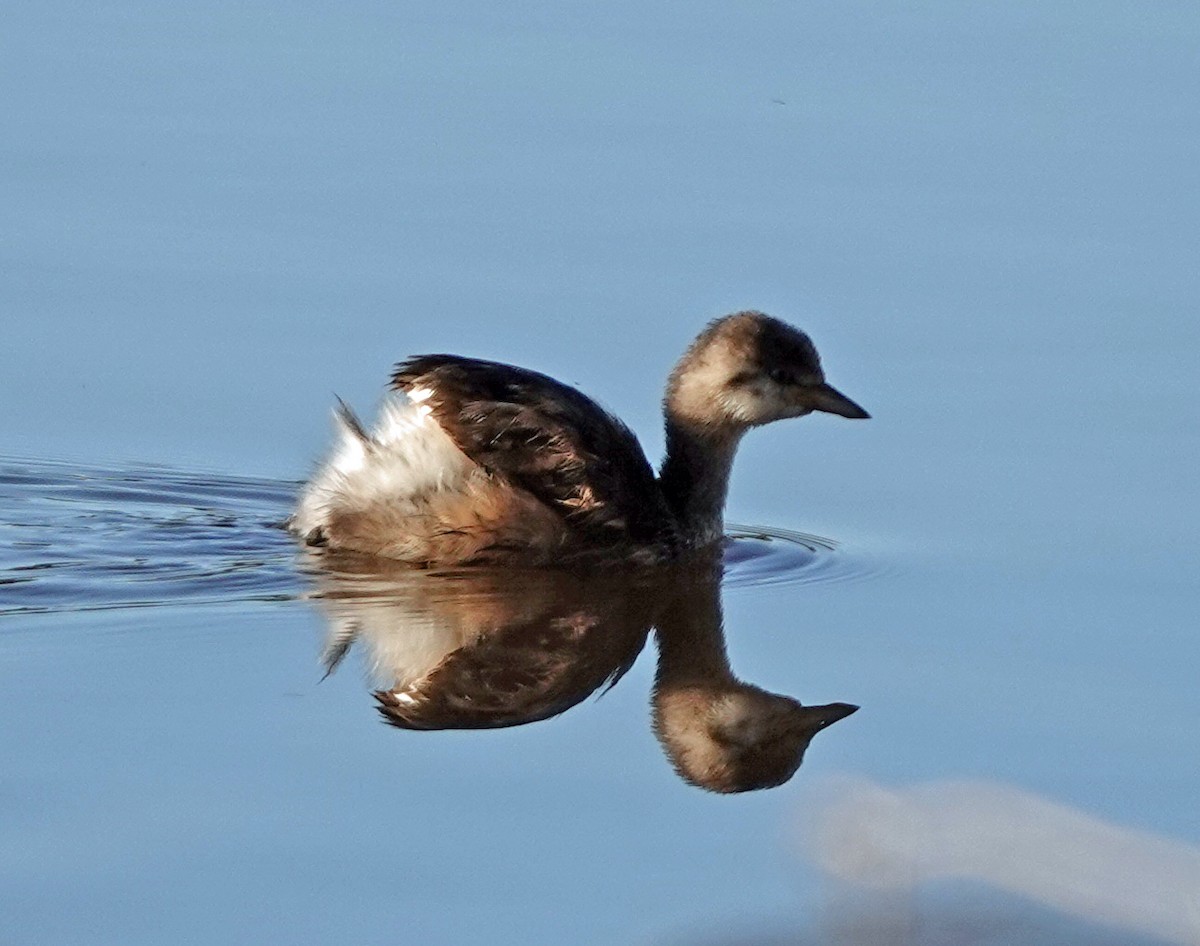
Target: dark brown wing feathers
x,y
547,439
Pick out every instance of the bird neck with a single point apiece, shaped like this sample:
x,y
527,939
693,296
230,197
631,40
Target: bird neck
x,y
695,477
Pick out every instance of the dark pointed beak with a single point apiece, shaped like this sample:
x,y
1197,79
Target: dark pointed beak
x,y
831,713
832,401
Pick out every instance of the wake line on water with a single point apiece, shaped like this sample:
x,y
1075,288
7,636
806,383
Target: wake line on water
x,y
86,538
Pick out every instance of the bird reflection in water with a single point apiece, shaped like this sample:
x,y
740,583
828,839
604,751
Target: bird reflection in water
x,y
482,648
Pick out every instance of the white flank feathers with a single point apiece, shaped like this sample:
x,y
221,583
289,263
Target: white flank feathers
x,y
392,472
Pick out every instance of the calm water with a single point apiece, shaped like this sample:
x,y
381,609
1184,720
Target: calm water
x,y
78,538
217,216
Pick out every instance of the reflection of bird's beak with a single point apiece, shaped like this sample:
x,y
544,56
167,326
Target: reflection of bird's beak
x,y
830,714
832,401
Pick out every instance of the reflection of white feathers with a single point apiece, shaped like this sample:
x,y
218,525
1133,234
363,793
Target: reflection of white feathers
x,y
1016,841
400,641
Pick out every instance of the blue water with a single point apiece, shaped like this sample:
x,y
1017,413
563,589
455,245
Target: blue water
x,y
78,538
217,217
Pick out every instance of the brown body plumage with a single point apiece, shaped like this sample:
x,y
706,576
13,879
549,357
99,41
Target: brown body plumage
x,y
478,462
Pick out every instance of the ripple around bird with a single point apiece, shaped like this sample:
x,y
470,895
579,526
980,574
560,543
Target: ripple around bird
x,y
78,538
758,555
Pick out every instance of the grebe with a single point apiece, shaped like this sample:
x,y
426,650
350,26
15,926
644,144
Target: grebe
x,y
474,462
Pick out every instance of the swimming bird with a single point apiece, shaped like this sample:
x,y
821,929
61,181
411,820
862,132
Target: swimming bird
x,y
475,462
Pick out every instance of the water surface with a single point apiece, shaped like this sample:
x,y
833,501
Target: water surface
x,y
80,538
216,217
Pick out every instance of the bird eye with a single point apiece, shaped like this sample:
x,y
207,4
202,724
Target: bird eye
x,y
782,376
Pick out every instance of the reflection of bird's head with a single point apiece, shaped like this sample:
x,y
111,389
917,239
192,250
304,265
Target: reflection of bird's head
x,y
737,738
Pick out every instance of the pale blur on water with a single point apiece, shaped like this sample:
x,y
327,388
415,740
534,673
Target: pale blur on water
x,y
217,216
